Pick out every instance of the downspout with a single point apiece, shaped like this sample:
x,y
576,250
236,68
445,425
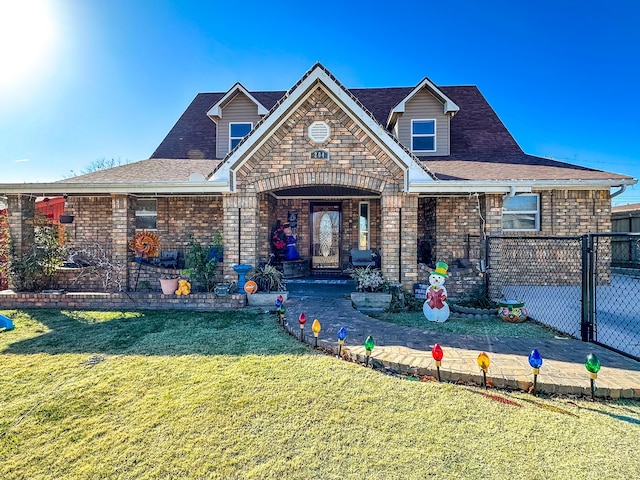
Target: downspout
x,y
511,194
622,189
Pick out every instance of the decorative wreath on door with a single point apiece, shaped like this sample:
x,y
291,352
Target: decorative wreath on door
x,y
145,244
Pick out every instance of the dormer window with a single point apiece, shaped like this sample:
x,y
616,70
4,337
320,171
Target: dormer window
x,y
237,131
423,135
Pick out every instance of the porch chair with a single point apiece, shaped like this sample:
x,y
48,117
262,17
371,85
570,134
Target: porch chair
x,y
363,258
168,259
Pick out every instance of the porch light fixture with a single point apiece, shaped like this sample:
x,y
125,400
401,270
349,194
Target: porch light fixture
x,y
437,354
315,328
592,364
368,346
483,363
535,360
342,335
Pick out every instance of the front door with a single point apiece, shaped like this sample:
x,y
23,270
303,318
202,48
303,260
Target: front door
x,y
325,236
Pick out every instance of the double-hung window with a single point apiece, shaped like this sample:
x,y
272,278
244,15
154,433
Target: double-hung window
x,y
237,131
147,214
423,135
521,213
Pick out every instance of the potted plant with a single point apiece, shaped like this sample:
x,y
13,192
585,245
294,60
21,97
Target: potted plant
x,y
372,290
201,262
169,284
270,285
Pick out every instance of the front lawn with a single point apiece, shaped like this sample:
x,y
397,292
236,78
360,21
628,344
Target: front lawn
x,y
231,396
469,325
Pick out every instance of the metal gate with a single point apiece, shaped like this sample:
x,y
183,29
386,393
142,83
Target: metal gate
x,y
587,287
611,292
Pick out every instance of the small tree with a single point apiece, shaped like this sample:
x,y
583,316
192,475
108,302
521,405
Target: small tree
x,y
35,269
201,262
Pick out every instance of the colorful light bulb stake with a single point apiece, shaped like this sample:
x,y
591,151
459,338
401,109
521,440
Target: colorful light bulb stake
x,y
280,309
437,354
535,360
368,346
592,364
483,363
342,335
302,319
315,328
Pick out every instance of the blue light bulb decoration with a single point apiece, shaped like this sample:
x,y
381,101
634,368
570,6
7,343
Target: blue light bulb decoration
x,y
535,360
278,302
342,335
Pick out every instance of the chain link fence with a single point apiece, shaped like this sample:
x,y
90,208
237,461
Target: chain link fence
x,y
543,272
614,285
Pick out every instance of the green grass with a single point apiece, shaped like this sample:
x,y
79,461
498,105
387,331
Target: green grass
x,y
492,326
194,395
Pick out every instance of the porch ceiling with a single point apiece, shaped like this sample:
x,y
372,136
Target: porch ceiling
x,y
324,191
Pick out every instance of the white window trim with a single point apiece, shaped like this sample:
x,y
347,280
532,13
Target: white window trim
x,y
148,213
368,204
536,212
238,138
434,134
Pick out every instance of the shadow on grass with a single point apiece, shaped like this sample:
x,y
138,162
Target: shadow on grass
x,y
147,333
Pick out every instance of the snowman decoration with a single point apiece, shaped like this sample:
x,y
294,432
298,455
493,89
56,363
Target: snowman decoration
x,y
436,308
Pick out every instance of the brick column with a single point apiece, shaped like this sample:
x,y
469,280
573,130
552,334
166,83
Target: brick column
x,y
21,212
123,215
409,241
390,244
240,231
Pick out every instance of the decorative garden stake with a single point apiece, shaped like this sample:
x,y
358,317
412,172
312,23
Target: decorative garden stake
x,y
342,335
436,353
280,310
592,364
368,345
483,363
535,360
302,319
315,328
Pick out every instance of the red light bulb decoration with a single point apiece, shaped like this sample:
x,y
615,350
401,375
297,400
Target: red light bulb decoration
x,y
437,354
302,319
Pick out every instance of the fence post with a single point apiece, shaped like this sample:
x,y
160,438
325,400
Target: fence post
x,y
586,325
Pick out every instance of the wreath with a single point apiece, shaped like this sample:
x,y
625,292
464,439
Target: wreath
x,y
145,244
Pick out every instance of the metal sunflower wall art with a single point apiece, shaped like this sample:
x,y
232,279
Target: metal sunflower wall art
x,y
145,244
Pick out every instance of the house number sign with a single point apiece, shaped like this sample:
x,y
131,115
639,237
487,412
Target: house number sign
x,y
320,154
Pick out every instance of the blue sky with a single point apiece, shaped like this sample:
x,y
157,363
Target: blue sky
x,y
84,80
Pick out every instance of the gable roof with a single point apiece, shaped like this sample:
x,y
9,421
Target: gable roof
x,y
448,104
216,110
317,76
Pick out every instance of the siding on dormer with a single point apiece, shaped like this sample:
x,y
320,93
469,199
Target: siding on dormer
x,y
423,105
238,109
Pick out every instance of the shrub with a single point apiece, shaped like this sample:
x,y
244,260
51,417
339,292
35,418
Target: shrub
x,y
369,280
268,278
201,262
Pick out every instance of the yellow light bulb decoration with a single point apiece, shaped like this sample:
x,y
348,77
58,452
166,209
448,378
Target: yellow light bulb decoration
x,y
316,327
483,361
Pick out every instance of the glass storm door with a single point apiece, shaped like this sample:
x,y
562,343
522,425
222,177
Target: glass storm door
x,y
325,236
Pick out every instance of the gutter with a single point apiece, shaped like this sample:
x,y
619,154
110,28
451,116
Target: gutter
x,y
60,188
506,187
621,191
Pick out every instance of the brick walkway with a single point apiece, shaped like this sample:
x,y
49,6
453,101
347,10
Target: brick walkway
x,y
408,350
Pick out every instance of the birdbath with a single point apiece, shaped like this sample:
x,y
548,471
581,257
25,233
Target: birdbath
x,y
242,271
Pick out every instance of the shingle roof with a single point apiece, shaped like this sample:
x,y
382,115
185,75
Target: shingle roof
x,y
481,147
151,170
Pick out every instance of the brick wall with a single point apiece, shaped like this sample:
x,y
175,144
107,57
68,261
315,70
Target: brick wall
x,y
123,301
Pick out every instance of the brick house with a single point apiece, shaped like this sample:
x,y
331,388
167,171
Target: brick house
x,y
425,171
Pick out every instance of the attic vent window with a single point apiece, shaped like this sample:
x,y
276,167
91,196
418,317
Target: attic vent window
x,y
319,132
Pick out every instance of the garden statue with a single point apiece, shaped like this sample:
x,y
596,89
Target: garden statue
x,y
291,239
435,307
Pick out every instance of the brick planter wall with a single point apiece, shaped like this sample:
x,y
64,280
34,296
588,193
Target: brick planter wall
x,y
122,301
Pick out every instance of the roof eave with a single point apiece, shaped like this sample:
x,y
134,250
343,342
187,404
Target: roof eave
x,y
521,186
60,188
